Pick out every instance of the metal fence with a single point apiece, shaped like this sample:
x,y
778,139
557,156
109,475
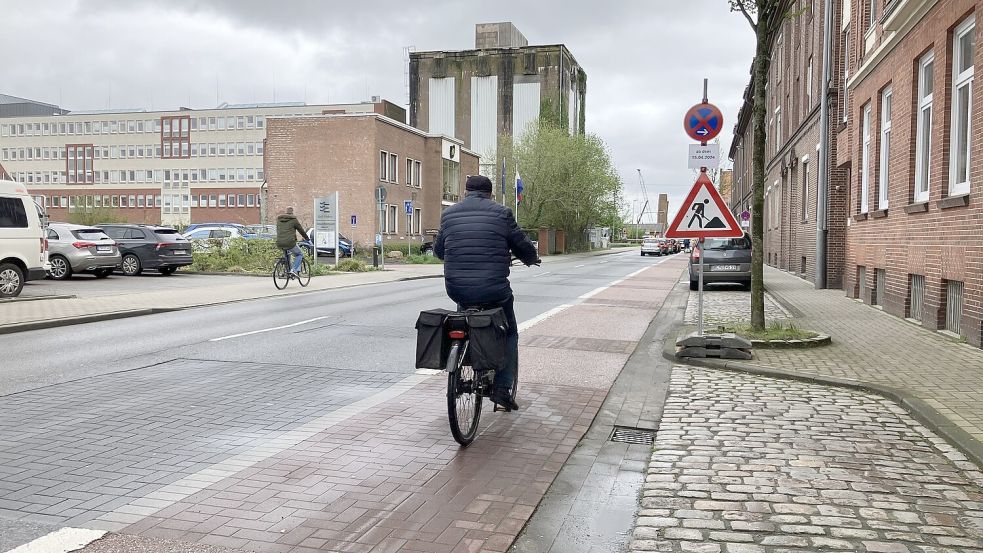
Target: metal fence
x,y
916,296
953,306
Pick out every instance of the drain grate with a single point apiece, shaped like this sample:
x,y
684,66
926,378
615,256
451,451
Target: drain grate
x,y
633,435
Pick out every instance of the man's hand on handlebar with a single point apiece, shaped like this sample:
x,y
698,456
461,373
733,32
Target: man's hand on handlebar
x,y
537,263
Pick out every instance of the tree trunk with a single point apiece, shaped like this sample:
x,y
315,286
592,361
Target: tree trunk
x,y
762,62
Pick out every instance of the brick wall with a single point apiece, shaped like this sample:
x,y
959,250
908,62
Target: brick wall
x,y
932,239
312,157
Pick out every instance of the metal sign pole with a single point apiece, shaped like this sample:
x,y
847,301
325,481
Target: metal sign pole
x,y
313,236
337,237
700,309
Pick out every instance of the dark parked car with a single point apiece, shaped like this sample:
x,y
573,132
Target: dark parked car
x,y
149,247
724,260
347,249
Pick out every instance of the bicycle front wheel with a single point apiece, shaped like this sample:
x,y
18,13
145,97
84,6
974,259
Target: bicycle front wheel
x,y
463,399
281,275
304,276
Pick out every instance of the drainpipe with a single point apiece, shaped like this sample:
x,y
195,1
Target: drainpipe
x,y
822,196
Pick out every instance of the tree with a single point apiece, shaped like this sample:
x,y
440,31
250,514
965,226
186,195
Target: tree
x,y
766,18
569,180
95,216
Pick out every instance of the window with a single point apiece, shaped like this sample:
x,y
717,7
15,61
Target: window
x,y
393,160
175,136
804,198
809,85
865,161
241,200
409,172
964,48
78,163
778,129
392,219
221,200
883,185
916,296
923,136
844,91
384,166
12,213
871,14
953,305
250,200
418,219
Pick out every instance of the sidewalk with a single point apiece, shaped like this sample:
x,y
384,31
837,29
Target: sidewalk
x,y
940,381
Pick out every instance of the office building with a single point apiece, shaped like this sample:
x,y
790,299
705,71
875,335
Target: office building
x,y
171,167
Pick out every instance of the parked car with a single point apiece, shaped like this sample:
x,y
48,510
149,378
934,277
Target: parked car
x,y
23,246
81,249
149,247
261,231
243,230
724,260
347,247
427,248
651,246
205,238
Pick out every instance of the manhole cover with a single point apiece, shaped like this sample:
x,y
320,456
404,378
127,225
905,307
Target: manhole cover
x,y
633,435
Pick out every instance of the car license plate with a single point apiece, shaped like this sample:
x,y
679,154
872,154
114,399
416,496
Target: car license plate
x,y
104,248
724,268
180,252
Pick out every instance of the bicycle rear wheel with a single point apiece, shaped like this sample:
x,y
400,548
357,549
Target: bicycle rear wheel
x,y
304,276
281,274
463,399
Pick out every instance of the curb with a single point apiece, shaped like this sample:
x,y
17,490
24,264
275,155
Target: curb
x,y
805,343
38,298
68,321
917,408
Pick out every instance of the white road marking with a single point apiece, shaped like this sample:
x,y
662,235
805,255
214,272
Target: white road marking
x,y
428,372
543,316
542,274
579,266
61,541
266,330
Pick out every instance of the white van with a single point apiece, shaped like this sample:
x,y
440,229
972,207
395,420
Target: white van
x,y
23,247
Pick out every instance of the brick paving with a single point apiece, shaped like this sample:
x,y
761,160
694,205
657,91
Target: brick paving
x,y
729,306
749,464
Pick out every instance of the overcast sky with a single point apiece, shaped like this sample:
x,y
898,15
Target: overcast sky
x,y
645,60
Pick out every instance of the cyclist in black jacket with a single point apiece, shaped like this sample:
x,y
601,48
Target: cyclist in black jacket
x,y
477,240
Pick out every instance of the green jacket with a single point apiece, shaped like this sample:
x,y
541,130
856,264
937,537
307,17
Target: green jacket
x,y
287,227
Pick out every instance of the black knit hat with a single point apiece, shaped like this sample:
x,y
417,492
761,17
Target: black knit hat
x,y
479,183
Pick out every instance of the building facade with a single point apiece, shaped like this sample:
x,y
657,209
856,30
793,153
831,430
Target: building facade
x,y
793,149
174,167
915,239
495,90
310,157
905,205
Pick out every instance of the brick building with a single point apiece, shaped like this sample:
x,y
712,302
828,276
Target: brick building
x,y
309,157
905,208
915,239
792,150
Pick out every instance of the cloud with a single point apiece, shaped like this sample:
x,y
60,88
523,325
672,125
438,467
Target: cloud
x,y
645,60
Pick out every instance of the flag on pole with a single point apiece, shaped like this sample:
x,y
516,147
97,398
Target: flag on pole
x,y
518,186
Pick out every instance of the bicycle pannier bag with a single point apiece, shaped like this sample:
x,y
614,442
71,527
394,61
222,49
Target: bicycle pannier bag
x,y
487,333
431,341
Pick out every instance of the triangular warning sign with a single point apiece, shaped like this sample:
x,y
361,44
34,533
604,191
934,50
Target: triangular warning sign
x,y
704,214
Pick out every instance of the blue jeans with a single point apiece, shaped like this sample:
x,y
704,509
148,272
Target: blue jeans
x,y
298,258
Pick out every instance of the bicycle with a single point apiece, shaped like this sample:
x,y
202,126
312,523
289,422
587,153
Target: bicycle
x,y
282,274
466,387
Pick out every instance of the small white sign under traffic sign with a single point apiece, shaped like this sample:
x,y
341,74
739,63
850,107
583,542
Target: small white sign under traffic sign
x,y
701,156
326,224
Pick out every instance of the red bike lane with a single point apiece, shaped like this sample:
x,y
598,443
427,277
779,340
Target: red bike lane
x,y
385,474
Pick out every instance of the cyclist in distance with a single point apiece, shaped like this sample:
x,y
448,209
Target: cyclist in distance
x,y
287,227
477,239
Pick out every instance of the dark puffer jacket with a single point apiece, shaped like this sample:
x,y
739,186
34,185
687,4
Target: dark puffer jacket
x,y
476,241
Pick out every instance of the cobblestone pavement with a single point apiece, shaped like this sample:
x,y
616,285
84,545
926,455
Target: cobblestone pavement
x,y
721,306
749,464
872,346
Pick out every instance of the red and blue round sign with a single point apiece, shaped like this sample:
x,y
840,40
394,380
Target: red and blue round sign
x,y
703,122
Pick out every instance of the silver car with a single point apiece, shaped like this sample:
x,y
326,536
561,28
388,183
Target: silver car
x,y
81,249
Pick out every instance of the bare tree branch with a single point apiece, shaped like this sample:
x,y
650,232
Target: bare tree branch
x,y
739,5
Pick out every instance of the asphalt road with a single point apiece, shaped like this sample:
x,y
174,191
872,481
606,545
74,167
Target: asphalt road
x,y
368,328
